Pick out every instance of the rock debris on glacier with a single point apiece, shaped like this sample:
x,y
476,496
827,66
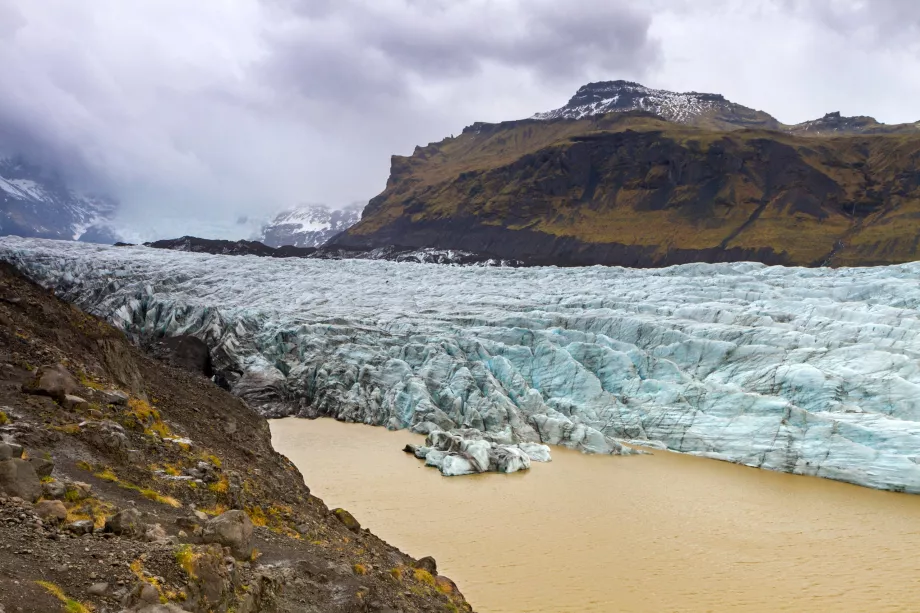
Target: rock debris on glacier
x,y
809,371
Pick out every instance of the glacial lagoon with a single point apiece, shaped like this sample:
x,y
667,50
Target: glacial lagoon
x,y
646,534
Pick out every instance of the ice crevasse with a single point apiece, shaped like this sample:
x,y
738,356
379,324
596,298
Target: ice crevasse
x,y
808,371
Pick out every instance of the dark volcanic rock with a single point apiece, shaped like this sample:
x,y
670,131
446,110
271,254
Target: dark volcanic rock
x,y
186,352
18,478
232,529
428,563
224,247
347,519
54,381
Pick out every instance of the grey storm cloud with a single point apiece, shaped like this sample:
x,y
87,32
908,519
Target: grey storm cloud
x,y
351,51
199,114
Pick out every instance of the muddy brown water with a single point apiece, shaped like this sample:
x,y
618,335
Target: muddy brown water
x,y
659,533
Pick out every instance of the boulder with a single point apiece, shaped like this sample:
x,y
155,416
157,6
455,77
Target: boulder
x,y
232,529
213,582
54,490
106,436
18,450
155,534
428,563
160,608
71,402
43,467
79,490
98,589
116,397
18,478
6,452
54,381
51,511
84,526
149,593
191,525
127,522
347,519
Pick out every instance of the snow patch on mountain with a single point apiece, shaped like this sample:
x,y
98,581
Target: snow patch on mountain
x,y
622,96
309,225
807,371
36,203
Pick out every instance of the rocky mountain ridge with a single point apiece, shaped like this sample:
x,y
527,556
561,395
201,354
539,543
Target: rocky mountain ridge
x,y
36,202
711,111
391,253
308,225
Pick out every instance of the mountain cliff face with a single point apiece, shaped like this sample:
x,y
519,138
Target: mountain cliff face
x,y
308,226
36,203
599,182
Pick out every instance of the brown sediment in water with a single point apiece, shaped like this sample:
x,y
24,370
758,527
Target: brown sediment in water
x,y
666,532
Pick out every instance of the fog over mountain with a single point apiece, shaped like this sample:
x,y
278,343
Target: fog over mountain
x,y
210,118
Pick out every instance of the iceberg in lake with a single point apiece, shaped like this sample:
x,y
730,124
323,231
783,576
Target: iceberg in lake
x,y
808,371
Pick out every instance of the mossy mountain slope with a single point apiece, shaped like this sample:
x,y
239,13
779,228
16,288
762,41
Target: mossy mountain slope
x,y
630,188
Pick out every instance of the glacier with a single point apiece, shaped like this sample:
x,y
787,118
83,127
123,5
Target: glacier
x,y
807,371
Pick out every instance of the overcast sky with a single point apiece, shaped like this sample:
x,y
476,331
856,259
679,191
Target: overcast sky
x,y
198,113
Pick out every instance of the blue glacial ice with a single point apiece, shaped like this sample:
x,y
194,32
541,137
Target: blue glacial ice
x,y
808,371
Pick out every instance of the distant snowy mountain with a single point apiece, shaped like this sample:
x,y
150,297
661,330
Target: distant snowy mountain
x,y
705,110
309,225
36,203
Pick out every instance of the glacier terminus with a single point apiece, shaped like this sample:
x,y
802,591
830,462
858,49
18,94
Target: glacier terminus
x,y
810,371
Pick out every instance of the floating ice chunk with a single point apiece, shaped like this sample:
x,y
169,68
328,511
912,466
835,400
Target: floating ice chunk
x,y
536,452
456,466
509,459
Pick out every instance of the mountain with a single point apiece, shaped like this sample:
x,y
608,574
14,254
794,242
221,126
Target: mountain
x,y
626,175
692,108
309,225
35,202
710,111
834,124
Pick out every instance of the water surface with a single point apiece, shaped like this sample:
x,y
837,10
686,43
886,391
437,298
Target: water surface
x,y
657,533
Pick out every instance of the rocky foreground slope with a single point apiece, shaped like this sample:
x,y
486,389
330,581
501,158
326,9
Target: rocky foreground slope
x,y
130,485
807,371
625,175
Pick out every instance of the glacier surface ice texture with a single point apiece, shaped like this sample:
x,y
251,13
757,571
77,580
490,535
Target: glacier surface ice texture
x,y
808,371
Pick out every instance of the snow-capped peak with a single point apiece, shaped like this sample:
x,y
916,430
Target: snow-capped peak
x,y
309,225
37,203
610,96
